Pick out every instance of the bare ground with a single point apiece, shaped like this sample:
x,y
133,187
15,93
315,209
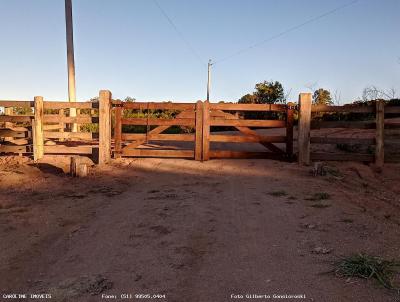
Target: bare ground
x,y
193,231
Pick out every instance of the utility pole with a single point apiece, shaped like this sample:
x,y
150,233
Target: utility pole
x,y
209,79
70,60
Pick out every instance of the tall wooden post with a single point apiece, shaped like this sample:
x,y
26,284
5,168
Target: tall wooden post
x,y
289,130
70,60
380,133
206,130
38,138
104,127
118,130
199,131
304,128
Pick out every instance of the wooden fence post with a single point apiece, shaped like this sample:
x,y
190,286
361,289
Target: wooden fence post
x,y
206,130
118,131
380,133
289,130
38,138
198,149
304,128
104,126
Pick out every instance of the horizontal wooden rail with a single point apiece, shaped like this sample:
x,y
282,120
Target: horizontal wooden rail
x,y
78,135
60,149
66,105
243,154
248,107
14,133
158,153
54,118
392,109
159,122
349,109
14,149
246,139
16,118
247,123
342,140
343,124
342,157
17,104
156,105
159,137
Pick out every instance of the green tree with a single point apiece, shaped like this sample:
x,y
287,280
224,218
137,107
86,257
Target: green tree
x,y
248,99
322,97
269,92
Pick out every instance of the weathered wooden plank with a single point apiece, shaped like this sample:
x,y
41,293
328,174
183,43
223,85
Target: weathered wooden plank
x,y
247,139
198,149
158,153
392,109
247,123
118,132
289,129
38,139
70,135
14,149
17,104
392,125
244,154
342,140
343,124
62,149
247,107
51,127
13,133
206,130
342,157
158,137
345,108
380,134
66,105
304,128
159,122
55,118
157,105
105,127
16,118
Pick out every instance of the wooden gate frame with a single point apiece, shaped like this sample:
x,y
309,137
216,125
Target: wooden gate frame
x,y
191,115
203,115
214,115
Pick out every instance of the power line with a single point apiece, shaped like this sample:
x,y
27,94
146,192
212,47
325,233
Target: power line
x,y
293,28
191,48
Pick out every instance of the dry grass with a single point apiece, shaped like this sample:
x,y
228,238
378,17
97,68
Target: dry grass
x,y
368,267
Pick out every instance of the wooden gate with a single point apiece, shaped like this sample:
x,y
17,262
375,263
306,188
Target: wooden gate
x,y
161,122
142,128
237,117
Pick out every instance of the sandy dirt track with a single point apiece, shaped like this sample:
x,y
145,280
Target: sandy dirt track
x,y
193,231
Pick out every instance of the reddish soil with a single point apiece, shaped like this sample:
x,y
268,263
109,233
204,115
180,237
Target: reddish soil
x,y
193,231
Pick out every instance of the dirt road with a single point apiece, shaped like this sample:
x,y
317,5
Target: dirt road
x,y
194,231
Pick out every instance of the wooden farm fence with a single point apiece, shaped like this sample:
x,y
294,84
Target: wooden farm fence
x,y
376,140
227,115
131,144
44,128
200,116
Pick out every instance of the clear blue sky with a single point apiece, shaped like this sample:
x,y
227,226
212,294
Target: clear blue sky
x,y
128,47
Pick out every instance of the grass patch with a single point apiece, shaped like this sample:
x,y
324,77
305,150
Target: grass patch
x,y
347,220
320,205
278,193
368,267
319,196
